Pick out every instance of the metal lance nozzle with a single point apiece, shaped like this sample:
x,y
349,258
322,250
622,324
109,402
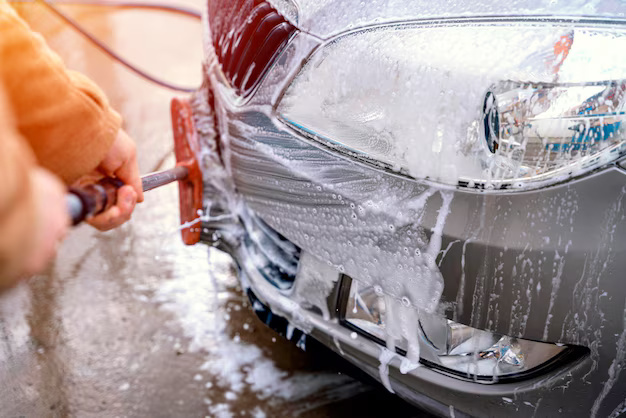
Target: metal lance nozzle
x,y
154,180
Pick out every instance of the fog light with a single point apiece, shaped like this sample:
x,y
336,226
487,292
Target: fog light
x,y
452,347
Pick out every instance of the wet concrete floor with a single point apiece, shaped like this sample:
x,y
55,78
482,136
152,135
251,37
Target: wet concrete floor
x,y
131,322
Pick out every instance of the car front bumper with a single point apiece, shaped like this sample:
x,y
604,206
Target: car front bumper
x,y
544,265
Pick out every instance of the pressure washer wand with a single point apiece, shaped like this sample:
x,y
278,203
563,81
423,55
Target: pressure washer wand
x,y
154,180
98,197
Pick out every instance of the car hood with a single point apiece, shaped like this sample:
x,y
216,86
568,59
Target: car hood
x,y
325,18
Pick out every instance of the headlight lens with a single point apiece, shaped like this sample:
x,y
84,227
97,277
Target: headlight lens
x,y
481,105
448,346
534,130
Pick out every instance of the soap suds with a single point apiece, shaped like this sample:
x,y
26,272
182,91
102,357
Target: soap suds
x,y
234,366
385,357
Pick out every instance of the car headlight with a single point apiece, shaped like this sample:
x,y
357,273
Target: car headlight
x,y
500,105
451,347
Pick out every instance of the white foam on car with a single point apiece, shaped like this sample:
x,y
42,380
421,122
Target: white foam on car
x,y
348,241
325,18
314,283
385,358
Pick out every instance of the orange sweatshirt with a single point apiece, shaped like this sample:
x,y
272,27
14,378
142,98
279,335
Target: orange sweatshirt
x,y
49,116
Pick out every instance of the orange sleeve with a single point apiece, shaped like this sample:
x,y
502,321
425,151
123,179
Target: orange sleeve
x,y
64,117
17,202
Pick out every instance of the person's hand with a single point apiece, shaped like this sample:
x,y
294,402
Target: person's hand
x,y
52,220
119,162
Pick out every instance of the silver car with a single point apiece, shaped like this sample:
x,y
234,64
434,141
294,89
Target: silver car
x,y
434,190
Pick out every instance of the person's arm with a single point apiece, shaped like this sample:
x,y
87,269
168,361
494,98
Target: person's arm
x,y
17,203
64,116
33,217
